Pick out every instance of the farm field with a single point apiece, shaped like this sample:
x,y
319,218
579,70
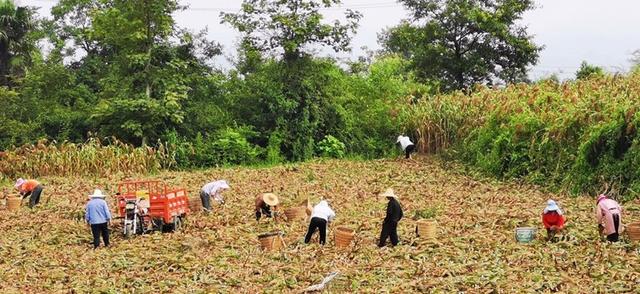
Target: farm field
x,y
48,249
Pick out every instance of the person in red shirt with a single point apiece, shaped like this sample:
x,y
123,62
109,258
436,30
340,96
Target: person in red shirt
x,y
552,219
29,188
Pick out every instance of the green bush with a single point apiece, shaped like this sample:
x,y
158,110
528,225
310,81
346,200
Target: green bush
x,y
331,147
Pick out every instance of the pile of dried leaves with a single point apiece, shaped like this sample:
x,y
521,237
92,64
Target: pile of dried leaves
x,y
48,249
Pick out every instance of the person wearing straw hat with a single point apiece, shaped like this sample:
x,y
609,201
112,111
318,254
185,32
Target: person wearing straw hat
x,y
98,217
321,215
29,188
212,190
390,223
552,219
609,217
407,146
264,204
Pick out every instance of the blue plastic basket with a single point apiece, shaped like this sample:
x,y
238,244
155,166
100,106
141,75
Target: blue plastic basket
x,y
525,235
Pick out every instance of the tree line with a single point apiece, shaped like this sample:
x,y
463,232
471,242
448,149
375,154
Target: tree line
x,y
125,69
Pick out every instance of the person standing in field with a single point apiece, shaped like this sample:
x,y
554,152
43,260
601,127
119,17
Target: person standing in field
x,y
407,146
98,218
552,219
264,205
321,216
390,223
212,190
609,217
31,189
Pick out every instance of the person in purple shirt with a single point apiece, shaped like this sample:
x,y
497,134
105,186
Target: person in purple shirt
x,y
98,218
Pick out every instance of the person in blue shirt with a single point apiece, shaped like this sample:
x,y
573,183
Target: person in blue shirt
x,y
98,218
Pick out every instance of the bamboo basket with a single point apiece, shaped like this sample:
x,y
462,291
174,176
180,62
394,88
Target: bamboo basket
x,y
271,241
14,203
295,213
195,204
426,228
633,231
344,236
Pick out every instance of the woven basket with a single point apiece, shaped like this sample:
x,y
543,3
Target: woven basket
x,y
295,213
426,228
271,241
195,204
14,203
344,236
633,231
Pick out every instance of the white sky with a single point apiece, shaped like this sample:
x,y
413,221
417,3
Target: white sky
x,y
603,33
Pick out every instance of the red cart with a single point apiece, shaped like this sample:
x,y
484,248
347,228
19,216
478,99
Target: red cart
x,y
151,205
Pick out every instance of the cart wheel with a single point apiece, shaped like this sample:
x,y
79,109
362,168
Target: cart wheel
x,y
177,223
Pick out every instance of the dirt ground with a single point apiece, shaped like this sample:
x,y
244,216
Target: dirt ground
x,y
48,249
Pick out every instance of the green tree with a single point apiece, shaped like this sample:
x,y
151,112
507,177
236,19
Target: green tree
x,y
15,48
464,42
143,68
299,100
588,71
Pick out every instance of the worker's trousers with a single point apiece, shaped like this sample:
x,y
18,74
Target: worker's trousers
x,y
389,230
206,200
34,199
100,230
321,225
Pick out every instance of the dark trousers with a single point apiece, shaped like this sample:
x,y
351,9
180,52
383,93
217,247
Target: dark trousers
x,y
264,210
321,225
616,223
206,200
100,230
389,230
34,199
410,149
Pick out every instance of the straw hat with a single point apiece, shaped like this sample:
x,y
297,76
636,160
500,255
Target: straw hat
x,y
389,193
97,193
19,183
270,199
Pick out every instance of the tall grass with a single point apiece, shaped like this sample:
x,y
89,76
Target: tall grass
x,y
93,157
575,136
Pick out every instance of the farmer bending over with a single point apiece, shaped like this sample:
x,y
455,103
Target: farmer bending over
x,y
98,218
29,188
321,215
212,190
407,146
264,203
390,224
552,219
609,217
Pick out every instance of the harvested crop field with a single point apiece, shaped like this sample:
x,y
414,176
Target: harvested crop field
x,y
49,250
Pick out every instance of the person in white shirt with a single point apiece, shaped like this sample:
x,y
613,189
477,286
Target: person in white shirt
x,y
321,215
213,189
407,146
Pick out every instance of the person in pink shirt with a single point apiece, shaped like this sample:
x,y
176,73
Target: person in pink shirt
x,y
609,217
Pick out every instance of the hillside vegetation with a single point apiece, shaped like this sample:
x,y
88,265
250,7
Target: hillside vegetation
x,y
575,135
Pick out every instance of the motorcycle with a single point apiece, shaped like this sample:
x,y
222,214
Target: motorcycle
x,y
133,218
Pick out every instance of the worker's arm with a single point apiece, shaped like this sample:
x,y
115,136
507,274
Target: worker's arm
x,y
107,212
561,222
87,218
598,214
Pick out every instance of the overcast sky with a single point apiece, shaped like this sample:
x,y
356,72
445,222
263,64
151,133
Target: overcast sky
x,y
603,33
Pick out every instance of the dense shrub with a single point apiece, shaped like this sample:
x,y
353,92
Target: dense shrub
x,y
575,136
331,147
